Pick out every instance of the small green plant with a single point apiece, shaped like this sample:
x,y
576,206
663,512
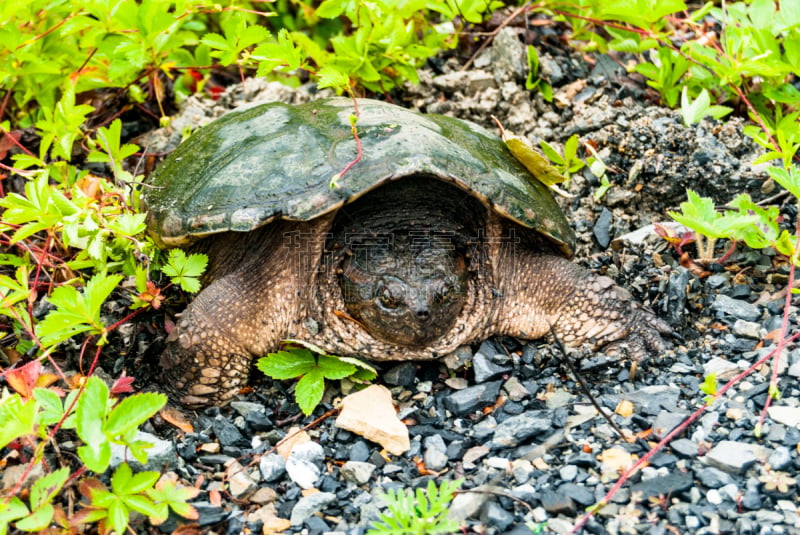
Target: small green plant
x,y
34,414
568,163
420,512
693,111
297,360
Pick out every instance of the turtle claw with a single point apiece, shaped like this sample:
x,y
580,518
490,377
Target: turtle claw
x,y
642,337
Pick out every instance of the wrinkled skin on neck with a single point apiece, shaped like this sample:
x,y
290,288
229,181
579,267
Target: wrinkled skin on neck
x,y
405,289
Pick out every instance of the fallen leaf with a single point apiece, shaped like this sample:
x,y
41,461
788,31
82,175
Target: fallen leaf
x,y
538,164
624,408
177,418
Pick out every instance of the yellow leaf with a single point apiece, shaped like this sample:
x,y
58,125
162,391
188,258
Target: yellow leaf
x,y
536,163
624,408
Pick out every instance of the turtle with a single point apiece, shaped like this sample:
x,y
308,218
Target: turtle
x,y
434,238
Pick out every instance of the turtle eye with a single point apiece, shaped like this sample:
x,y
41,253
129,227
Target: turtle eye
x,y
387,299
442,293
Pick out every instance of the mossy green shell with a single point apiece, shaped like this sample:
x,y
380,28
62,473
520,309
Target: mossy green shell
x,y
274,160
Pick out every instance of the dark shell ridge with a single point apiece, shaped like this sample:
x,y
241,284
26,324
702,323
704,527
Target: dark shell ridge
x,y
274,160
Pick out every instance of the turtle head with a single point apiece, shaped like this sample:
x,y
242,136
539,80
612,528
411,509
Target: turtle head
x,y
404,293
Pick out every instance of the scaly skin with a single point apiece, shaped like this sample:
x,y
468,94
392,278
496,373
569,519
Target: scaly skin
x,y
286,283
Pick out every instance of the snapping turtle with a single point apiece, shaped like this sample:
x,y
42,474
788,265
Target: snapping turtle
x,y
436,238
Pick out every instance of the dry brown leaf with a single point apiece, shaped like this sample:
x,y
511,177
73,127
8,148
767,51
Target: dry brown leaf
x,y
177,418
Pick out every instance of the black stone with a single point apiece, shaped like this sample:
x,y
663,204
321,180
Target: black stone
x,y
214,459
670,484
556,503
258,421
577,493
496,516
401,375
227,434
236,522
359,451
661,459
470,399
209,515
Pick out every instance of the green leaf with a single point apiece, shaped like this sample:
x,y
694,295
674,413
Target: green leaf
x,y
287,364
37,520
51,408
17,418
184,271
46,488
124,481
75,312
698,214
11,511
90,413
309,390
788,179
334,368
132,412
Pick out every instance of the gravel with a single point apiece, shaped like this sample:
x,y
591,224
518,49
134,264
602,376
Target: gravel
x,y
514,423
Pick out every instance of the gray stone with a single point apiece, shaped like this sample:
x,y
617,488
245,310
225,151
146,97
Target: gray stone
x,y
736,308
484,429
780,458
309,505
435,454
716,281
272,467
713,478
676,295
516,391
246,407
652,399
466,505
160,455
602,228
517,429
577,493
357,472
685,447
463,402
731,456
485,368
747,329
508,56
666,421
458,358
303,472
568,472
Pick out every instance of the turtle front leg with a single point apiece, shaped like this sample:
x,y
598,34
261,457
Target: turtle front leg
x,y
544,291
207,358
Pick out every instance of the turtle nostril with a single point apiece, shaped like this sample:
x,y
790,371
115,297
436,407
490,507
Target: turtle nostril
x,y
423,315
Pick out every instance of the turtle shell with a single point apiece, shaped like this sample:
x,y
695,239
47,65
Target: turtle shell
x,y
269,161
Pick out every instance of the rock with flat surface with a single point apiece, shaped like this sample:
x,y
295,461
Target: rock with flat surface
x,y
370,414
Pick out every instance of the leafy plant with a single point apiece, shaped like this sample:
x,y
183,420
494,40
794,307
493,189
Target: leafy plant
x,y
693,112
420,512
298,361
